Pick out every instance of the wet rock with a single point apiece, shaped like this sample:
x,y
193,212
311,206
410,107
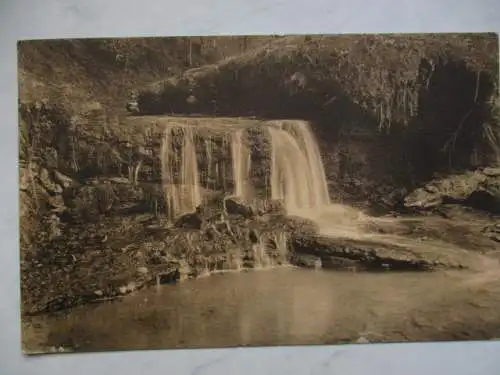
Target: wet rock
x,y
133,107
46,181
189,221
129,288
235,206
99,293
63,180
275,207
299,225
307,261
337,253
340,263
169,277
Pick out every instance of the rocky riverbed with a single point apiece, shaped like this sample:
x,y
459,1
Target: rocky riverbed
x,y
99,239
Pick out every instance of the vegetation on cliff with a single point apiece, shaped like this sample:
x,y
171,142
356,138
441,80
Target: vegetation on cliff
x,y
438,91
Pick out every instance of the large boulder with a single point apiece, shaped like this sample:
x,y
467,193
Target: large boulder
x,y
478,189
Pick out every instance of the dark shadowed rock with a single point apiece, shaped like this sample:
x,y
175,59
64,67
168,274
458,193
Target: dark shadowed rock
x,y
235,206
253,235
189,221
306,261
132,107
475,189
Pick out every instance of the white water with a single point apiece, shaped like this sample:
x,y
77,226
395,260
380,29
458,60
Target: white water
x,y
241,160
208,151
182,194
298,176
306,139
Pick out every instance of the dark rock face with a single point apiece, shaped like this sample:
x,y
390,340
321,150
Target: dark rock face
x,y
191,220
235,206
479,189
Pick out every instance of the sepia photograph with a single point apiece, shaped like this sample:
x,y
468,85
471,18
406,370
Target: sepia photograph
x,y
258,190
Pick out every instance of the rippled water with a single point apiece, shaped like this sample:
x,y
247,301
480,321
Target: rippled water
x,y
285,306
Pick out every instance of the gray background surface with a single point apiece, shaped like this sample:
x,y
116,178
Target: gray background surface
x,y
21,19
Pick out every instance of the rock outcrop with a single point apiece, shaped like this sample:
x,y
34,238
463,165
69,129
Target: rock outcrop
x,y
479,189
346,254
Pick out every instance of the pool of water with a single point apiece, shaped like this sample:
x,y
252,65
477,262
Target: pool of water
x,y
282,307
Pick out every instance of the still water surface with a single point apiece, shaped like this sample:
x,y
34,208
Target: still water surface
x,y
286,306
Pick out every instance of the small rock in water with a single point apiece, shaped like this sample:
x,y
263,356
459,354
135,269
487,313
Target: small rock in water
x,y
98,293
142,270
122,289
131,287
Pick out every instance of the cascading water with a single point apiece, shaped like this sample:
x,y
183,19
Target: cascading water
x,y
208,151
180,176
297,174
298,179
270,250
311,149
241,160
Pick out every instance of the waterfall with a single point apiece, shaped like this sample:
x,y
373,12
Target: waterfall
x,y
297,173
270,250
241,160
208,150
180,175
311,149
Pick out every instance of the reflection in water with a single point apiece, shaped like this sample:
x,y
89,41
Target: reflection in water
x,y
279,307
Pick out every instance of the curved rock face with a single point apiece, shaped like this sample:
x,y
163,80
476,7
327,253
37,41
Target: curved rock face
x,y
479,189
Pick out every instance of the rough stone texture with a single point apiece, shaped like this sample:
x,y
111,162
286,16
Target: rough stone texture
x,y
341,253
479,189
